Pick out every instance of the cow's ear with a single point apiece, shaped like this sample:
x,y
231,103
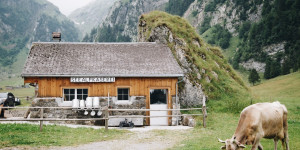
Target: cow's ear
x,y
242,146
223,147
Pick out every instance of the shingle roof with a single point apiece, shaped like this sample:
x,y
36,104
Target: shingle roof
x,y
57,59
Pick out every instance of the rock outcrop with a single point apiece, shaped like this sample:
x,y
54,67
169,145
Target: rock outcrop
x,y
252,64
190,95
200,62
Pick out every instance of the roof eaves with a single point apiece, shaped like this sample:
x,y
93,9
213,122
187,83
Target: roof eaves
x,y
104,75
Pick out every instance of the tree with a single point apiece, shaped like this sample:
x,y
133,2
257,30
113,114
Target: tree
x,y
253,77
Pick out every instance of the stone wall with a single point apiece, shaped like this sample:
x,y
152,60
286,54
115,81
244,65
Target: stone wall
x,y
134,103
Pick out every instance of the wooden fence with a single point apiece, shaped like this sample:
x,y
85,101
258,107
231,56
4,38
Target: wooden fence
x,y
106,116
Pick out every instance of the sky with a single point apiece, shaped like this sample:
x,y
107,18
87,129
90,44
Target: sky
x,y
67,6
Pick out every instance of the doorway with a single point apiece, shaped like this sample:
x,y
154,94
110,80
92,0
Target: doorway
x,y
158,101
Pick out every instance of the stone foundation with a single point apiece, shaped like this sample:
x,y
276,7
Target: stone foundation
x,y
135,102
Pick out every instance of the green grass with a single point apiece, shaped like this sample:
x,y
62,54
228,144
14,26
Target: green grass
x,y
29,135
284,89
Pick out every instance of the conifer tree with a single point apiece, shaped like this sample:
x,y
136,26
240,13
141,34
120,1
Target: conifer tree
x,y
253,77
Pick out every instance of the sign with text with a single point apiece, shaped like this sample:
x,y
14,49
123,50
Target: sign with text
x,y
92,79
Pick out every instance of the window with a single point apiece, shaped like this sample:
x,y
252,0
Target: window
x,y
70,94
123,93
158,96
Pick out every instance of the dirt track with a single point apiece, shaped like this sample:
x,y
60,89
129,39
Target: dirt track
x,y
138,139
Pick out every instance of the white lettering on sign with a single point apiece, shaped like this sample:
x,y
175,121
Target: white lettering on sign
x,y
92,79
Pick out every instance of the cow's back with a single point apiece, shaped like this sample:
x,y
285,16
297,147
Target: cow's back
x,y
266,118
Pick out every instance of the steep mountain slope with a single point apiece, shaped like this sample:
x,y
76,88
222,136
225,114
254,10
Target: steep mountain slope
x,y
120,23
22,22
207,73
265,34
260,34
91,15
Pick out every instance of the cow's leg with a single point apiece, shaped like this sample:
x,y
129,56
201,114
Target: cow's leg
x,y
275,143
255,144
260,147
285,143
256,141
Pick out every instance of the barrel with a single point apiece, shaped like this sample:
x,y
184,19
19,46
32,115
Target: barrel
x,y
96,102
75,103
89,102
82,104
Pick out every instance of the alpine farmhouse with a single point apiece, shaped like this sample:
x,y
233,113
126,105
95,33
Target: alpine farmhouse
x,y
122,75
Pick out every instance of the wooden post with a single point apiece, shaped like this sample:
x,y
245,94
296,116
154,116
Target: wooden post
x,y
41,122
106,118
204,112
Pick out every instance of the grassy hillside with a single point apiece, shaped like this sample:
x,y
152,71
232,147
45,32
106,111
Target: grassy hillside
x,y
284,89
228,86
22,22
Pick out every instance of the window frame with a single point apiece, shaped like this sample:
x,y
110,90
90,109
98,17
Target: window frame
x,y
123,100
75,93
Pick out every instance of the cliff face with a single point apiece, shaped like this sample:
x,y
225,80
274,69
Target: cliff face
x,y
206,71
91,16
264,33
123,17
227,13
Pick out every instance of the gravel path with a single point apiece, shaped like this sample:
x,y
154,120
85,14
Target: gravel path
x,y
138,139
143,138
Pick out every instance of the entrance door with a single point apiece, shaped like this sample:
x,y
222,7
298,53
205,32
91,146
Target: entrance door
x,y
158,101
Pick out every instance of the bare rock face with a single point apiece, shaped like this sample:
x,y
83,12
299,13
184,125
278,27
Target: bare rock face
x,y
273,49
252,64
192,93
227,13
125,14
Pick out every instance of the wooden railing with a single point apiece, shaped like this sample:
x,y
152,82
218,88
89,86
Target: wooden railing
x,y
105,111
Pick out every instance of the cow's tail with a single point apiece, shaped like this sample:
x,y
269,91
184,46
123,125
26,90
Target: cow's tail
x,y
285,140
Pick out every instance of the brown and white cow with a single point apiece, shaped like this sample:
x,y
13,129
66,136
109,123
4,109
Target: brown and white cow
x,y
261,120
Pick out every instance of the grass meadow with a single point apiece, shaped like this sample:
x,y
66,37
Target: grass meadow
x,y
52,135
285,89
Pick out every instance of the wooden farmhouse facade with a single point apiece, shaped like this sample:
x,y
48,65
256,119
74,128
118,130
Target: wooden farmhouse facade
x,y
121,75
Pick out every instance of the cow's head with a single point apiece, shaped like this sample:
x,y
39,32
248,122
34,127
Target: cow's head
x,y
232,144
